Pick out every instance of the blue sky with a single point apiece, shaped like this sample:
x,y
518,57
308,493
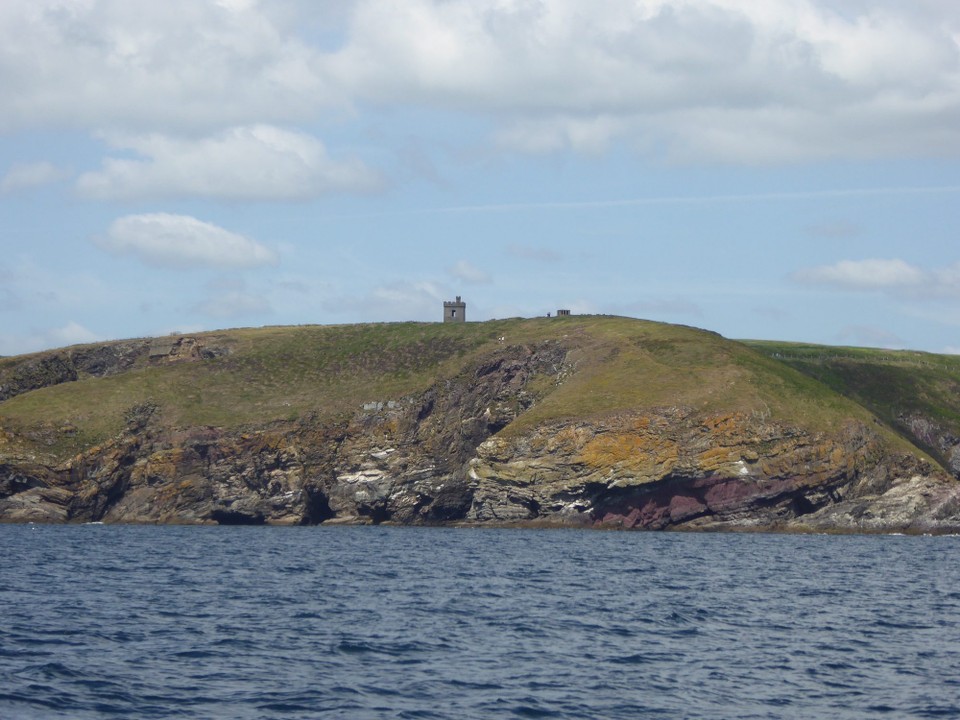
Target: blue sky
x,y
785,169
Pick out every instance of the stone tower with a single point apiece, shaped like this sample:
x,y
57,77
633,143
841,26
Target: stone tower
x,y
455,311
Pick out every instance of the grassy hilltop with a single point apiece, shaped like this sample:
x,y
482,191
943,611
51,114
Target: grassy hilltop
x,y
259,376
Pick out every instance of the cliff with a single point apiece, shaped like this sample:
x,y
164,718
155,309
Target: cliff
x,y
585,421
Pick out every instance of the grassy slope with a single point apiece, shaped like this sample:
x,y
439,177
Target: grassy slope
x,y
285,372
890,383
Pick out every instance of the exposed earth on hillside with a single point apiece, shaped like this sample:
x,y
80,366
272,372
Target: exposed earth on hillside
x,y
600,422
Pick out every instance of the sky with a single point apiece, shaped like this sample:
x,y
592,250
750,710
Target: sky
x,y
770,169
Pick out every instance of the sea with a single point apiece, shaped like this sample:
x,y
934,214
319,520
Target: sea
x,y
102,621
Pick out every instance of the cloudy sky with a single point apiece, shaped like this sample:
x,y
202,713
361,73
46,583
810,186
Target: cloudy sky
x,y
780,169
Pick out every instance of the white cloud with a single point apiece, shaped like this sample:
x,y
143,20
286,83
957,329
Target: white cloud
x,y
723,79
178,64
469,273
591,135
865,275
258,162
891,276
730,80
28,175
181,241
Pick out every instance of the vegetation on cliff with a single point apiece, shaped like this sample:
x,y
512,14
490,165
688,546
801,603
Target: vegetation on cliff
x,y
618,417
258,376
915,393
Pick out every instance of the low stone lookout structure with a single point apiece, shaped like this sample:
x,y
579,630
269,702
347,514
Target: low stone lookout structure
x,y
562,313
455,311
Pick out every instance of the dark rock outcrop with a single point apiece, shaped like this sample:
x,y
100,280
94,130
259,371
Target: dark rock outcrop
x,y
932,436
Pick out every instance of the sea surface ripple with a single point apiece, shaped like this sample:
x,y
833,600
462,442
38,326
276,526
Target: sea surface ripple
x,y
384,622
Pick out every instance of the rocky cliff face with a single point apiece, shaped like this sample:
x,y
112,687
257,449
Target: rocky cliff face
x,y
440,457
932,435
399,460
675,468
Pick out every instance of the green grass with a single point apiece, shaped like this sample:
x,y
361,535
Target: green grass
x,y
890,383
278,373
283,373
634,364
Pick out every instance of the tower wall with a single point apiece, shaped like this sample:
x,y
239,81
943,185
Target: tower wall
x,y
455,310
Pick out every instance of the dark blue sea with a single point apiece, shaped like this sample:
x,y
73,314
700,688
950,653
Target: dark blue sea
x,y
382,622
